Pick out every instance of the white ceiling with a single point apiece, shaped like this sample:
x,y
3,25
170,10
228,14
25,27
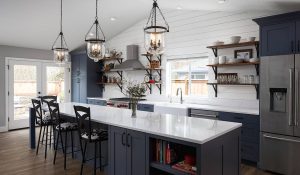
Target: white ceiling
x,y
35,23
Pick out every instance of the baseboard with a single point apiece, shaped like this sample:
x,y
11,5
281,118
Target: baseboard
x,y
3,129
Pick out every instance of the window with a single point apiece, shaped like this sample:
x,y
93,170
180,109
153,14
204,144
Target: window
x,y
191,75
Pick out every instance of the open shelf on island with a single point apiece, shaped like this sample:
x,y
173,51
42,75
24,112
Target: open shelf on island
x,y
215,86
167,168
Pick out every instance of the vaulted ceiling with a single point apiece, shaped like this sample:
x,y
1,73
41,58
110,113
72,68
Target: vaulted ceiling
x,y
35,23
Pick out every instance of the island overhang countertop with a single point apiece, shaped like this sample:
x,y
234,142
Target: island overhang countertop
x,y
194,130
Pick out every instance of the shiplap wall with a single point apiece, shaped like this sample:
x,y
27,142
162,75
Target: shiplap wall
x,y
190,33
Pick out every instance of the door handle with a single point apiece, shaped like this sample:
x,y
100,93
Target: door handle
x,y
292,46
123,140
203,115
280,138
296,122
291,97
128,140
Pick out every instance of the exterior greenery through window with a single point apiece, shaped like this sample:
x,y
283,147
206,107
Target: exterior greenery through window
x,y
191,75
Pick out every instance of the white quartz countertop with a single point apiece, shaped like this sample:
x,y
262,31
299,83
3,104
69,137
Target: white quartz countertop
x,y
219,108
195,130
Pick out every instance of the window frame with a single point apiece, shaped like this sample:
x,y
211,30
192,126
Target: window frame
x,y
169,77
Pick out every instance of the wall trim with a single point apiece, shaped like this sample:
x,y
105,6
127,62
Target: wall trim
x,y
3,129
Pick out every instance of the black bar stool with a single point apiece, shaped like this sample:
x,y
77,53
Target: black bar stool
x,y
62,127
45,100
89,135
43,121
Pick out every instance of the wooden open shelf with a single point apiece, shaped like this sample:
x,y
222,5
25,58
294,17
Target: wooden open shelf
x,y
120,60
227,46
215,86
233,64
167,168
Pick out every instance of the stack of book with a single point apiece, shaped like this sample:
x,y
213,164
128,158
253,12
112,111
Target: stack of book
x,y
164,152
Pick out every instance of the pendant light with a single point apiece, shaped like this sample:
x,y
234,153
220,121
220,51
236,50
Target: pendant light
x,y
59,47
95,40
154,32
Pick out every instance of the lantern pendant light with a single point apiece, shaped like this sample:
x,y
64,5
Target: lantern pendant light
x,y
59,47
95,40
154,32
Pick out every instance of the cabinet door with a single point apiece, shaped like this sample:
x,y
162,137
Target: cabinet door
x,y
75,65
278,39
136,153
75,89
298,37
117,151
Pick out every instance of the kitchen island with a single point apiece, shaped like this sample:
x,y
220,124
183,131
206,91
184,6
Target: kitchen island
x,y
132,145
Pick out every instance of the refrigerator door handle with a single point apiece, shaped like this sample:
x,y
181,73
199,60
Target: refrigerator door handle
x,y
291,97
296,97
280,138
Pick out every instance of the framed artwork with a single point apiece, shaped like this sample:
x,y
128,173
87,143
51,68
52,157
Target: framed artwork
x,y
245,53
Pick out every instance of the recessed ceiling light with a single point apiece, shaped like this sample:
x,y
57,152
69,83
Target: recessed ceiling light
x,y
179,8
113,18
221,1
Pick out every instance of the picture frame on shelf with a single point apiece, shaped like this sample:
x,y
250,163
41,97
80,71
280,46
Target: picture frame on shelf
x,y
243,54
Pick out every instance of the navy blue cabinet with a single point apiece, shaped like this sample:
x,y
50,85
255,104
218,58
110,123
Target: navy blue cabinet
x,y
279,34
298,37
250,133
84,78
127,154
278,39
145,107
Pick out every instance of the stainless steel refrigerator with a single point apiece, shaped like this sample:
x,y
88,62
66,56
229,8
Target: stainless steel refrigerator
x,y
280,114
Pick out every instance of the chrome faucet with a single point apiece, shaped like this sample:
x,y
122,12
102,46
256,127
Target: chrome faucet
x,y
181,100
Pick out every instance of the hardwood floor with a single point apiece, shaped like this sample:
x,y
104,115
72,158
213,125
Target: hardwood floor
x,y
17,159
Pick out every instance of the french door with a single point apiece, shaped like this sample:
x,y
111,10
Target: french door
x,y
29,79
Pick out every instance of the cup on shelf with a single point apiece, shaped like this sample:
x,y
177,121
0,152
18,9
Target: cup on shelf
x,y
251,79
215,60
245,79
251,39
222,59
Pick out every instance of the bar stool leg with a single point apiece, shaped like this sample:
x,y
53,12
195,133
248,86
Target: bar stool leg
x,y
83,158
55,147
65,154
43,134
37,149
50,140
100,158
46,146
95,160
72,144
62,143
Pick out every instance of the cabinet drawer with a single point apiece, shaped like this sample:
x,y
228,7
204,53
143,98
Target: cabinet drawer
x,y
91,101
145,107
250,135
249,121
100,102
250,151
199,113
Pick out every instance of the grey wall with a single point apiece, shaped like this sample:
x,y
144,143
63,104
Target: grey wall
x,y
16,52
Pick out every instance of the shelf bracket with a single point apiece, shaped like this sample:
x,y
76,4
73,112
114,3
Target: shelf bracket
x,y
120,86
257,49
257,69
215,51
215,69
120,61
215,86
149,87
159,88
257,91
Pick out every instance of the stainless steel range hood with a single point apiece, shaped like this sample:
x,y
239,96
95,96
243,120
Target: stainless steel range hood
x,y
132,62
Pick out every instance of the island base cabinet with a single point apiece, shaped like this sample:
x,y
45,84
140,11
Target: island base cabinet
x,y
127,152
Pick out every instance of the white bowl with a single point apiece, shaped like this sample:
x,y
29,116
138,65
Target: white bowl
x,y
235,39
217,43
251,39
253,60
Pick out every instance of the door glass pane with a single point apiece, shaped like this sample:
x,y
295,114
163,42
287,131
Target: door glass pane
x,y
56,82
25,88
199,77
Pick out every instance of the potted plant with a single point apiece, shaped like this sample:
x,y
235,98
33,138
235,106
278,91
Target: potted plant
x,y
135,91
